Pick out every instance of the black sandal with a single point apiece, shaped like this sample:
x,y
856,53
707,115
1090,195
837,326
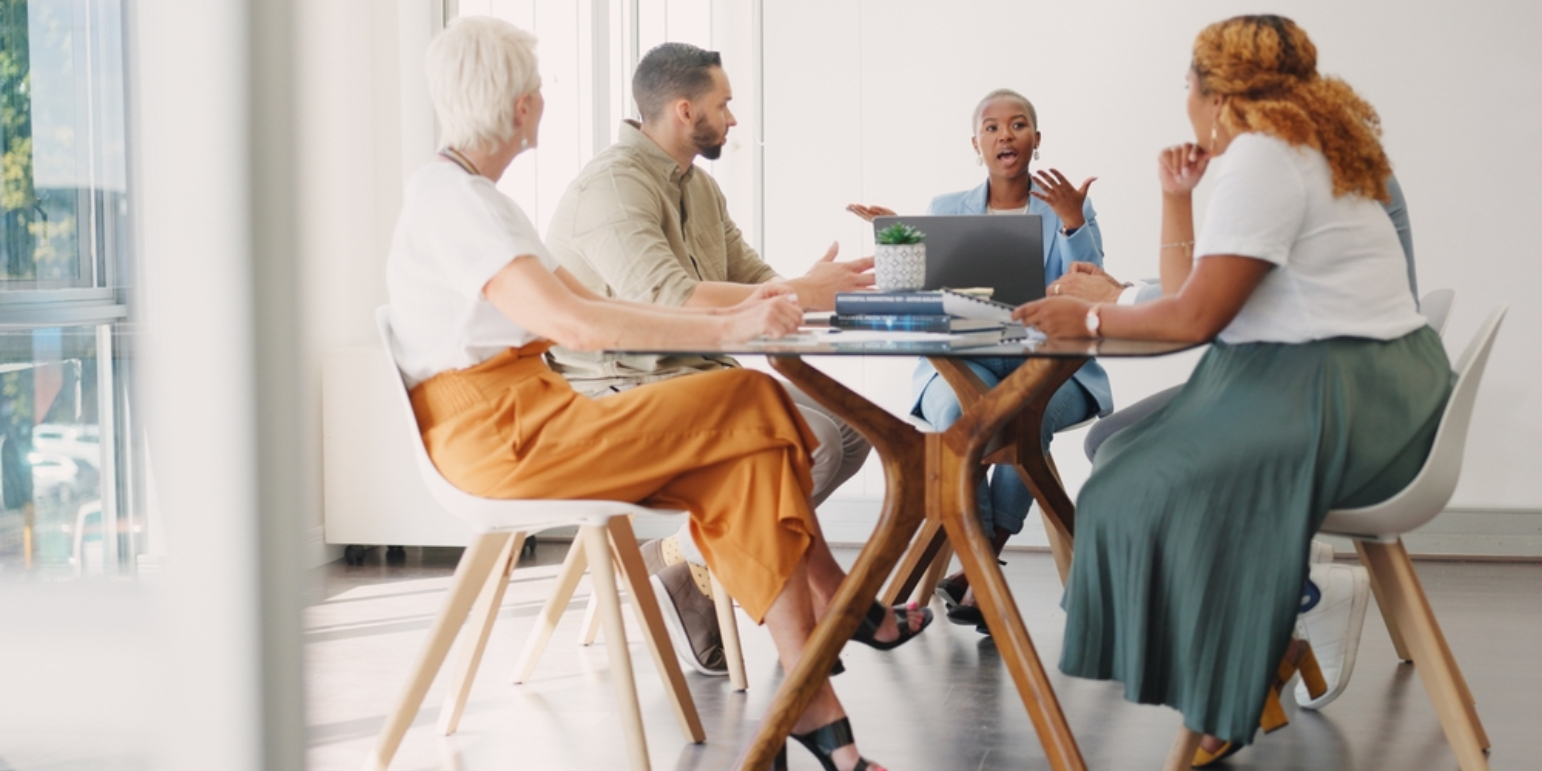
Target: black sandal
x,y
966,615
867,633
823,742
951,593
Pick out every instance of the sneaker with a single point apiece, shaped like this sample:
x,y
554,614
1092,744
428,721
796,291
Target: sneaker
x,y
692,620
1332,614
653,555
1322,553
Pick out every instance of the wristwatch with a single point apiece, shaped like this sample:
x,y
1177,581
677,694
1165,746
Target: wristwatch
x,y
1093,321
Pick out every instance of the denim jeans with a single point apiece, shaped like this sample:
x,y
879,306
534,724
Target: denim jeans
x,y
1003,498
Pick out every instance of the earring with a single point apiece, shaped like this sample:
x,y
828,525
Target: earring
x,y
1035,153
1211,148
524,143
979,159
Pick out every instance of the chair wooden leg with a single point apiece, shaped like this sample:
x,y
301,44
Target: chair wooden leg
x,y
604,579
1468,701
634,576
1402,648
1059,545
567,579
589,630
1181,756
908,572
474,643
479,559
1060,540
933,576
728,624
1411,613
1381,604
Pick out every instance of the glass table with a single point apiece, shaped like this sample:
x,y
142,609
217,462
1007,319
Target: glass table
x,y
930,482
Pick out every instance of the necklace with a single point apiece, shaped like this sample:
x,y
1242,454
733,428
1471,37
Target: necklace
x,y
452,155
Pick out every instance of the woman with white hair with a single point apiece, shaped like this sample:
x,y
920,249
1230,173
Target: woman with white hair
x,y
476,300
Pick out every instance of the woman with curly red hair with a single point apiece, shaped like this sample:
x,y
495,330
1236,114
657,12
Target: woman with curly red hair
x,y
1323,389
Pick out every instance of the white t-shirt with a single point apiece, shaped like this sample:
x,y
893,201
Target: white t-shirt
x,y
1340,267
455,232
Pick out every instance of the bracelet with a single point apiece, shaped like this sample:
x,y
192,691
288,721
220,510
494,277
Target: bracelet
x,y
1177,244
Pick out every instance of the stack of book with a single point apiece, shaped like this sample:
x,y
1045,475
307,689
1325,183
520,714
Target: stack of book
x,y
966,319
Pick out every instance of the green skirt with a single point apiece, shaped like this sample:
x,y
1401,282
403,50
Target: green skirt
x,y
1193,531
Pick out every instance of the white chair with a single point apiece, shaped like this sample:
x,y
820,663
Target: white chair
x,y
483,574
1378,530
1436,307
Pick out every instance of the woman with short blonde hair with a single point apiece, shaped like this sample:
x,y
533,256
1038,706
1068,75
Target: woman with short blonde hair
x,y
476,300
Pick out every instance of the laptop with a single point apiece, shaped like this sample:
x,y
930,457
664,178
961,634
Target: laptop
x,y
1004,252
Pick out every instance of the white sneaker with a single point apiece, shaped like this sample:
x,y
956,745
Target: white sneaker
x,y
1332,625
1322,553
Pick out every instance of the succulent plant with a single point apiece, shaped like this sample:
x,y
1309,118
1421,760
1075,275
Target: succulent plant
x,y
900,233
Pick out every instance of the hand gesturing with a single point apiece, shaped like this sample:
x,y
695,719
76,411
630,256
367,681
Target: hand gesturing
x,y
1063,197
869,212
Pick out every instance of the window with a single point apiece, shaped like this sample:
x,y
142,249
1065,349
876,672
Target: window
x,y
64,248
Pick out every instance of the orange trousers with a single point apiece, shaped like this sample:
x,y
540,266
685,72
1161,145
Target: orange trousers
x,y
728,446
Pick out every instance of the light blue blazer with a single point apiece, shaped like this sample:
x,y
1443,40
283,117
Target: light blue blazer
x,y
1085,245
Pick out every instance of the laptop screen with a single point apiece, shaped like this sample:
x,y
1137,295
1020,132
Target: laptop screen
x,y
1004,252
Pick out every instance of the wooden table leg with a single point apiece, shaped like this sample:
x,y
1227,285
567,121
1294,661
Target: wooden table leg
x,y
1017,445
908,577
923,551
1021,448
944,493
951,457
900,448
933,576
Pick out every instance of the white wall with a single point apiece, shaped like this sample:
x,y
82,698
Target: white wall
x,y
870,101
349,115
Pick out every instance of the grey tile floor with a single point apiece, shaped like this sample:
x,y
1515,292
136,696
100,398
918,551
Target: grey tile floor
x,y
944,701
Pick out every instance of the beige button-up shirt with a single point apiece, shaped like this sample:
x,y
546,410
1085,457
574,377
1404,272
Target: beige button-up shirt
x,y
636,226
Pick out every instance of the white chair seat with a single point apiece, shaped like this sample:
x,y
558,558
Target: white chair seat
x,y
1436,308
1431,490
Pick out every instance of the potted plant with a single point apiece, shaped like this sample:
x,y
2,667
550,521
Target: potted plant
x,y
900,259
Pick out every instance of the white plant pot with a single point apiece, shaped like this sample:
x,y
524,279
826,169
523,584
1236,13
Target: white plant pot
x,y
900,267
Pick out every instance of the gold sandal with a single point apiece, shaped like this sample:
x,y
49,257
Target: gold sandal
x,y
1274,717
